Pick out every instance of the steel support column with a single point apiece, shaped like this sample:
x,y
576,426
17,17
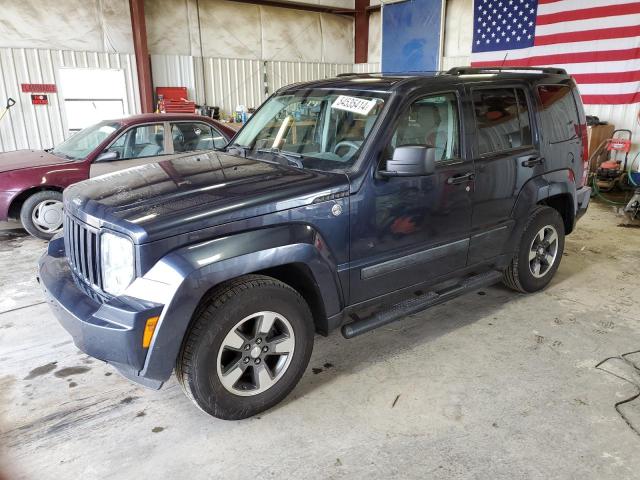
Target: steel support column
x,y
143,61
361,31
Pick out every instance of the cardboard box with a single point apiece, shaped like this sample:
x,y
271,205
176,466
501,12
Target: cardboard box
x,y
597,134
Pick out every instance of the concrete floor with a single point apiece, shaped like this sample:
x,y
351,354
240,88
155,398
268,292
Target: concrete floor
x,y
492,385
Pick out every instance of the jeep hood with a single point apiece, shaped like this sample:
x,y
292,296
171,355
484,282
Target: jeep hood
x,y
163,199
21,159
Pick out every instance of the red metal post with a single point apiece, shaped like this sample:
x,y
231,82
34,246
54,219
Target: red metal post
x,y
143,62
361,31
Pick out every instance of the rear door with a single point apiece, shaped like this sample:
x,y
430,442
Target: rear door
x,y
195,136
506,156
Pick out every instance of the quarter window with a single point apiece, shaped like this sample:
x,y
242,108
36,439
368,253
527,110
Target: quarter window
x,y
502,119
559,112
430,121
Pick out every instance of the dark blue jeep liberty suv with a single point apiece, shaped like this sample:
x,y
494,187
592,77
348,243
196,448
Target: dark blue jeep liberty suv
x,y
349,202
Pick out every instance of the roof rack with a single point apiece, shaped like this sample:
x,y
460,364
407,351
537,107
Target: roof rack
x,y
474,70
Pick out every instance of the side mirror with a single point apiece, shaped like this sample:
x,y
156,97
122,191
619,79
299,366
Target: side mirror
x,y
107,156
411,161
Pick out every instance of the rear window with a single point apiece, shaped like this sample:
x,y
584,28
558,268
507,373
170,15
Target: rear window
x,y
502,118
559,113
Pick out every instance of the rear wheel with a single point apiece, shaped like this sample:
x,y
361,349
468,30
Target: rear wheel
x,y
539,253
247,348
41,214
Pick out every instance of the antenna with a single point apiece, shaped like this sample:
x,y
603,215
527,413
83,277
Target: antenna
x,y
505,58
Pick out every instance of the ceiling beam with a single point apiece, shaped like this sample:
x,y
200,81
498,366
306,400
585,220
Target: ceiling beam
x,y
300,6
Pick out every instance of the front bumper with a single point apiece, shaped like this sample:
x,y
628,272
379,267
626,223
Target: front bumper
x,y
109,330
583,196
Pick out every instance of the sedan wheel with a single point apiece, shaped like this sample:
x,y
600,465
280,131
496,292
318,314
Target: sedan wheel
x,y
47,216
41,214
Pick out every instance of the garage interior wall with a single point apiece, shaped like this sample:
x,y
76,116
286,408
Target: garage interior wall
x,y
248,51
240,42
457,52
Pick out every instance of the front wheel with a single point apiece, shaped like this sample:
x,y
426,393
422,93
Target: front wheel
x,y
247,348
539,253
41,214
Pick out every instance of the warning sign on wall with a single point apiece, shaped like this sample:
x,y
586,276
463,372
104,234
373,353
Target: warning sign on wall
x,y
38,87
39,99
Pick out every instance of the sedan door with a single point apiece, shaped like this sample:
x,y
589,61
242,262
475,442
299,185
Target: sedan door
x,y
189,136
139,145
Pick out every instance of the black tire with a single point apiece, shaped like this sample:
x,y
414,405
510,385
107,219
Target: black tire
x,y
197,364
519,275
27,210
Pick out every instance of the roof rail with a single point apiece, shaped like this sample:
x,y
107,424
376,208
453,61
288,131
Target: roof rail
x,y
353,74
473,70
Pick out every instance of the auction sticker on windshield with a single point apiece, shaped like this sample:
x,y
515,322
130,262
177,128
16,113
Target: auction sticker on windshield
x,y
354,104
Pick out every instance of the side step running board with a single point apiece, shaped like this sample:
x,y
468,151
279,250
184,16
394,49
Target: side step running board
x,y
414,305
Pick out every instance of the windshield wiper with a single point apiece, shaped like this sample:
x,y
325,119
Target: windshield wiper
x,y
290,157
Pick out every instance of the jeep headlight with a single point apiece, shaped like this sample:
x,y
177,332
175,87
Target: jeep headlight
x,y
117,260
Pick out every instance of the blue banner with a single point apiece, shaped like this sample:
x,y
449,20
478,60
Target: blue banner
x,y
411,36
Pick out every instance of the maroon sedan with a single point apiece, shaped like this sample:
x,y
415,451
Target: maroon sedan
x,y
31,181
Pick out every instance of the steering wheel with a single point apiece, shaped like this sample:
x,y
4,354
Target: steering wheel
x,y
353,147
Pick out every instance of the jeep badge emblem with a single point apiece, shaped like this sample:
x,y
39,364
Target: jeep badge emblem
x,y
336,210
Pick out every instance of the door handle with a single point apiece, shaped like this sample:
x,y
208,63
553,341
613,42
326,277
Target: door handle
x,y
460,178
531,161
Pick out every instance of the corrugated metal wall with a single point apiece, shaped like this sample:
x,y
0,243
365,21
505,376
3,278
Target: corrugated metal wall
x,y
40,126
230,82
367,67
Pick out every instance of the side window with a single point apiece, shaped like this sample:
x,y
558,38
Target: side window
x,y
559,113
139,142
431,121
193,136
502,119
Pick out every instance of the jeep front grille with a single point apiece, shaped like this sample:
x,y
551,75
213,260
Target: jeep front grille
x,y
81,245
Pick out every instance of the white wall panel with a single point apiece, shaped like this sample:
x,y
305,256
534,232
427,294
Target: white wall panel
x,y
372,67
375,37
94,25
42,126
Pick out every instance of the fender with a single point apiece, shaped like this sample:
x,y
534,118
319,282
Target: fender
x,y
536,190
195,269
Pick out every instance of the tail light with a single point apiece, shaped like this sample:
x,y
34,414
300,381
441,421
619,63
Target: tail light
x,y
585,154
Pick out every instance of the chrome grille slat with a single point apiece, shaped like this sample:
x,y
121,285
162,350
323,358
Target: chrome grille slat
x,y
90,255
81,245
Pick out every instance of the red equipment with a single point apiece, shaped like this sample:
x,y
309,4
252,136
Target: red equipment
x,y
612,167
174,100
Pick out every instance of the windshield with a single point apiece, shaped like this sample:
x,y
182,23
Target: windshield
x,y
81,144
317,129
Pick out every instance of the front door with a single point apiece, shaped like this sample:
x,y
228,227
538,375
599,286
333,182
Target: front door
x,y
408,230
136,146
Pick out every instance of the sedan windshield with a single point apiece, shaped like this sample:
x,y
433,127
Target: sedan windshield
x,y
317,129
81,144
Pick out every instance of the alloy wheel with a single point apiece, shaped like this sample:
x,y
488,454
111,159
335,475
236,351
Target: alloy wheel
x,y
256,353
543,251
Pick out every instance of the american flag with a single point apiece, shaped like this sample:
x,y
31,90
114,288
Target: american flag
x,y
596,41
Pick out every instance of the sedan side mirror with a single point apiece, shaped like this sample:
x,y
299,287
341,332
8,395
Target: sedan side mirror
x,y
411,161
107,156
